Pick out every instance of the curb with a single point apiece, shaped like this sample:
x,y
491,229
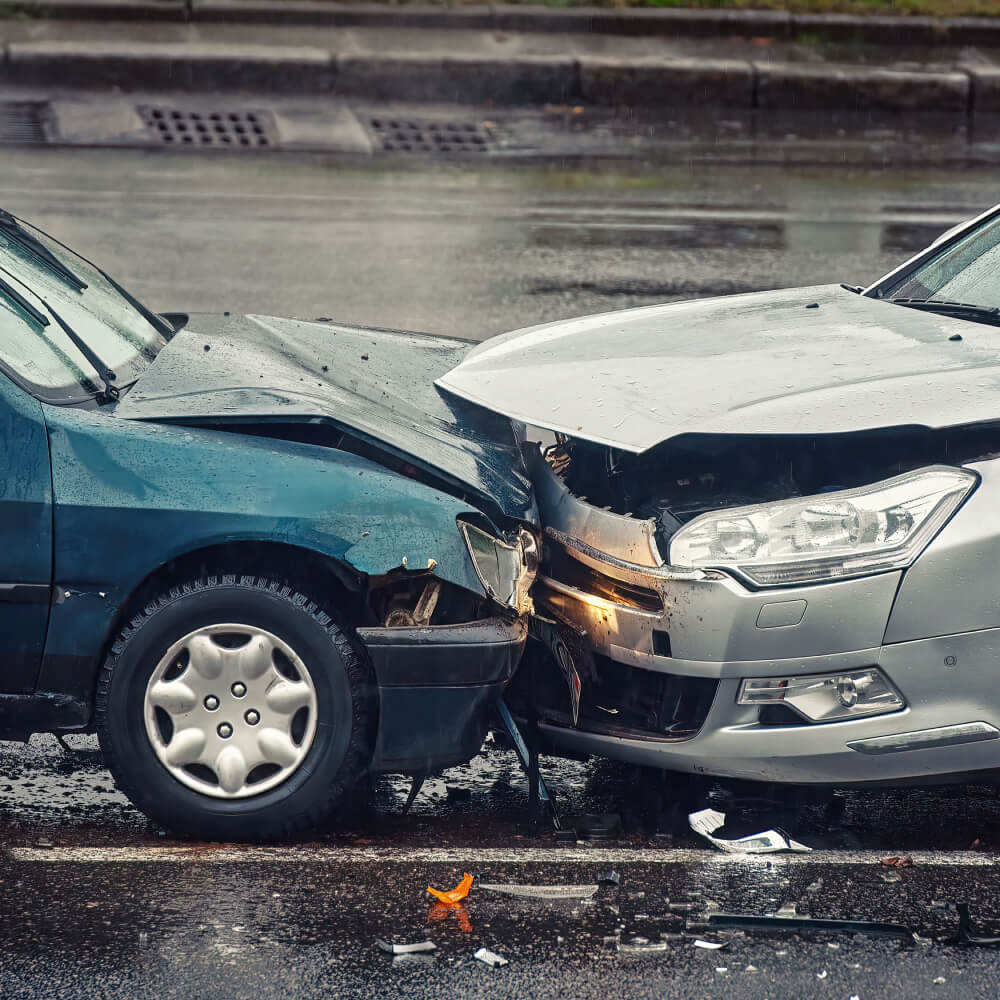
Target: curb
x,y
167,66
688,22
500,80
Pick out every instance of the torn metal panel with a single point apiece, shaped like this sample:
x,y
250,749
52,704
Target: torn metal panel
x,y
632,540
375,384
706,821
761,363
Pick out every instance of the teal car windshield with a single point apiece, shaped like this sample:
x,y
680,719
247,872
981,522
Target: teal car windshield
x,y
42,357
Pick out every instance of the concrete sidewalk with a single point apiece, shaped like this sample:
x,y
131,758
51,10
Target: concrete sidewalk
x,y
637,21
493,68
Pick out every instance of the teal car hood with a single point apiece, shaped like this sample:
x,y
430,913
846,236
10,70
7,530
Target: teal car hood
x,y
376,385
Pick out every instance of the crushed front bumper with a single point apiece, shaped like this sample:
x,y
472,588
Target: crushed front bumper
x,y
436,686
708,626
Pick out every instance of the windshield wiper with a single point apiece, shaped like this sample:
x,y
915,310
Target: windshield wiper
x,y
23,304
960,310
104,373
10,226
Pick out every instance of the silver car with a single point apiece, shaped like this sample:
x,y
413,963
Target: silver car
x,y
771,524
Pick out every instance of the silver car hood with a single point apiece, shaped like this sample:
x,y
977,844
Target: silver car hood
x,y
814,360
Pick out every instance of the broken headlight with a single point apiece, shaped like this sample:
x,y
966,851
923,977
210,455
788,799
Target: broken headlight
x,y
505,570
832,536
826,697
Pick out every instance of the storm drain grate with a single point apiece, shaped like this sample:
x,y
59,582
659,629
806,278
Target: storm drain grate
x,y
239,129
23,122
415,135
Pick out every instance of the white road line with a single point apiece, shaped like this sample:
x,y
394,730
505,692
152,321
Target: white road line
x,y
473,857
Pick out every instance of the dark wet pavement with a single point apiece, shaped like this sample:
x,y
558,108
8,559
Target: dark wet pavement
x,y
473,253
308,930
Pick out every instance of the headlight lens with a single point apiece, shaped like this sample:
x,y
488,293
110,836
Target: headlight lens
x,y
832,536
826,697
505,570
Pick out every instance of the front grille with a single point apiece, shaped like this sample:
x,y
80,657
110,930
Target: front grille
x,y
636,702
615,698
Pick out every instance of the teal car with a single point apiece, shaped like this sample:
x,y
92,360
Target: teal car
x,y
260,557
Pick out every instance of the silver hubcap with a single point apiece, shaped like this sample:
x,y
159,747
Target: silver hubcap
x,y
231,711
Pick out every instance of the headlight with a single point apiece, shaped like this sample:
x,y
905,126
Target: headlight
x,y
826,697
505,570
832,536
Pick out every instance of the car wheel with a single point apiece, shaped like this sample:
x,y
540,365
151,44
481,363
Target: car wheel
x,y
233,707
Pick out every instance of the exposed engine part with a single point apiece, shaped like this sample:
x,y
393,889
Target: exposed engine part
x,y
696,473
422,613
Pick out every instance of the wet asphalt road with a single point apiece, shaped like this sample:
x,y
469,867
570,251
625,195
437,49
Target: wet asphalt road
x,y
472,253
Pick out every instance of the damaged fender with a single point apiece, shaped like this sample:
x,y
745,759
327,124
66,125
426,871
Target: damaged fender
x,y
192,489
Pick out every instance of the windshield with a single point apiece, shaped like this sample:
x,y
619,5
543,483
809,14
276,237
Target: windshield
x,y
43,358
968,271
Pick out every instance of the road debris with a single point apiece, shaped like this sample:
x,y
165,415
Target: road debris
x,y
821,975
752,922
708,945
707,821
491,958
898,862
542,891
455,895
641,946
965,935
609,877
404,949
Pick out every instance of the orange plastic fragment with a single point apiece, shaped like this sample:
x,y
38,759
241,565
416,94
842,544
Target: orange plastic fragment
x,y
457,894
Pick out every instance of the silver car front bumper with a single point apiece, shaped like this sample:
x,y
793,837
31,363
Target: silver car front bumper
x,y
934,631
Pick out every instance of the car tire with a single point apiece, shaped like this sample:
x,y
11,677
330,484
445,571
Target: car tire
x,y
231,657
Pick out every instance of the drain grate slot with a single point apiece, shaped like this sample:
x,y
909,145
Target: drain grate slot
x,y
407,134
23,122
230,129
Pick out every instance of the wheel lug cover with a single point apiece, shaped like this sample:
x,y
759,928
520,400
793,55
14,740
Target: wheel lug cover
x,y
211,702
225,730
252,717
239,690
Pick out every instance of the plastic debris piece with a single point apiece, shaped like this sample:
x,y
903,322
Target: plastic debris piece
x,y
683,907
752,922
709,945
721,968
924,942
898,862
491,958
405,949
751,968
965,935
940,981
609,877
641,946
455,895
707,821
821,975
543,891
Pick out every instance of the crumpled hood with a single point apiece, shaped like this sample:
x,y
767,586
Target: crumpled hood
x,y
375,384
798,361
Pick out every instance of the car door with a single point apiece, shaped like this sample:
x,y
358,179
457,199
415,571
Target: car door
x,y
25,537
